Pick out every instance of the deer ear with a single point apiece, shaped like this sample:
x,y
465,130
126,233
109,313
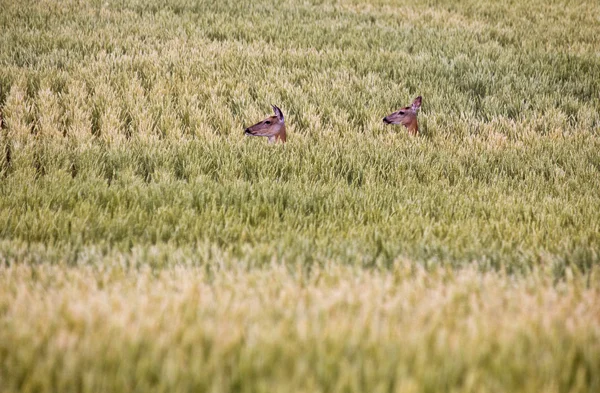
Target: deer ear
x,y
416,105
278,112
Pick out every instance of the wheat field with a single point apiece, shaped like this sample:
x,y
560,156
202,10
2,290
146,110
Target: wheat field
x,y
146,244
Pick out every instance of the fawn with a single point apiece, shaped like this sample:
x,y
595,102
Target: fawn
x,y
272,127
406,116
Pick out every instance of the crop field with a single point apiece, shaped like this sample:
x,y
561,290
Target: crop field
x,y
148,245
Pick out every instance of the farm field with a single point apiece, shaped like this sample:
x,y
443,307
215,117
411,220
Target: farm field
x,y
146,244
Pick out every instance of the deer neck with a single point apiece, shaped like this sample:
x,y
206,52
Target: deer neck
x,y
411,124
280,136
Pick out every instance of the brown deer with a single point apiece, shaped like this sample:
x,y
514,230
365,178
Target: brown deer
x,y
272,127
406,116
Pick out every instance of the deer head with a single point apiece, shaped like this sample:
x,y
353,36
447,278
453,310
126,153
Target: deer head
x,y
272,127
406,116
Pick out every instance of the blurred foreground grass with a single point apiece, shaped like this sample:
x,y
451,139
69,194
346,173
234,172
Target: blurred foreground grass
x,y
281,328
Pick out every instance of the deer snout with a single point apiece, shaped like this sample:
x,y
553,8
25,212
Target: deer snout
x,y
247,131
385,120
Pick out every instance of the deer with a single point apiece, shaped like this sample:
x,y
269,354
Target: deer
x,y
406,116
273,127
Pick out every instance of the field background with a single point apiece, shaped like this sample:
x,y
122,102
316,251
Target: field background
x,y
147,245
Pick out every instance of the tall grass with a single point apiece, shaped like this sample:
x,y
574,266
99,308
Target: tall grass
x,y
122,154
336,328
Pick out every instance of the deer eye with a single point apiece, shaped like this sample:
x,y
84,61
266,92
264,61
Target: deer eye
x,y
401,112
268,122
